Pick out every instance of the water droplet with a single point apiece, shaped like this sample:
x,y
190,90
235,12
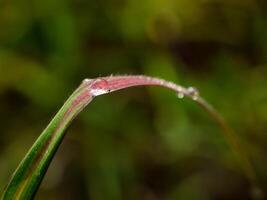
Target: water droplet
x,y
99,86
193,92
180,95
87,80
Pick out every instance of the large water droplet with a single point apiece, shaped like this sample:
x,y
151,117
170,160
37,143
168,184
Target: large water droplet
x,y
99,86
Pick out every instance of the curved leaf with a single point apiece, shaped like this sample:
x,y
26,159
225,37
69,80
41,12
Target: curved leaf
x,y
29,174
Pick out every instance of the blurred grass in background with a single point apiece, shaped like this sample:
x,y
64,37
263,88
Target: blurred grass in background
x,y
137,143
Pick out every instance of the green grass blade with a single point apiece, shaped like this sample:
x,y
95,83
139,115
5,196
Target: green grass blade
x,y
29,174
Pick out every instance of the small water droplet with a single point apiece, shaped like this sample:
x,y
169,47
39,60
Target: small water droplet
x,y
180,95
193,92
87,80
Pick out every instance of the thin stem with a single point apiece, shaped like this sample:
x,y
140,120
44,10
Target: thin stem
x,y
108,84
231,138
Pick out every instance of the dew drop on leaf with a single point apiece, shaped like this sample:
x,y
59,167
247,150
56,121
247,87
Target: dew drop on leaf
x,y
180,95
193,92
99,87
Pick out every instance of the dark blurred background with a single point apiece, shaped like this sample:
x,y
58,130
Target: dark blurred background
x,y
140,143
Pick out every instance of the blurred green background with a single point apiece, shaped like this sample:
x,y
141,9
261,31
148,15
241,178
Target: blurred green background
x,y
140,143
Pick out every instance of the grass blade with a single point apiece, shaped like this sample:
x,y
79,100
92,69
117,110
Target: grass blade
x,y
29,174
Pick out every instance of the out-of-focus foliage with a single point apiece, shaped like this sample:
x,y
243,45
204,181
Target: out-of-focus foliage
x,y
138,143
